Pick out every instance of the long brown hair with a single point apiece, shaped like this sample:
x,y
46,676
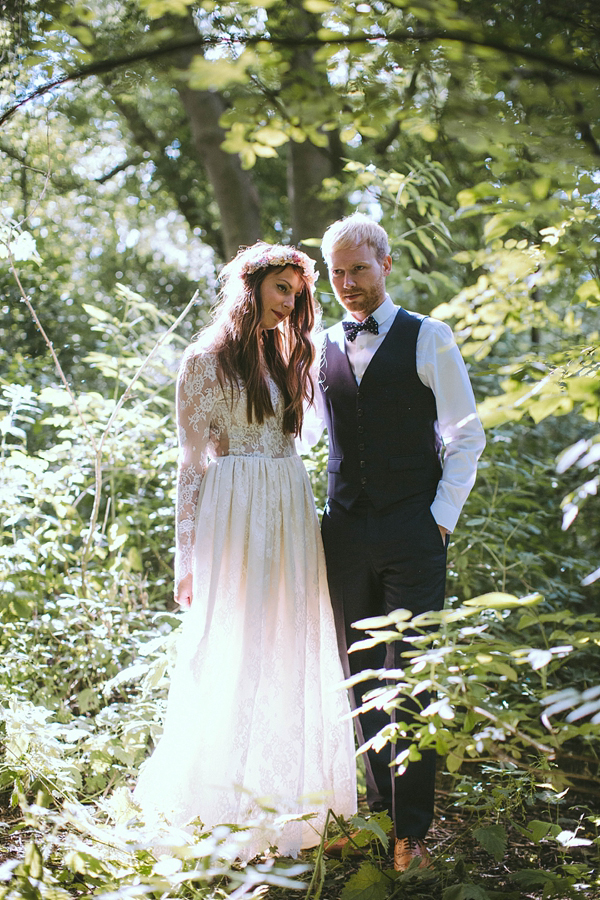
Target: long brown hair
x,y
242,346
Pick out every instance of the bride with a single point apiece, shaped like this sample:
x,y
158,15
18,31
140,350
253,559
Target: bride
x,y
255,717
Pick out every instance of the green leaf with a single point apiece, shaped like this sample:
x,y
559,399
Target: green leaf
x,y
427,242
55,396
264,151
135,559
369,883
498,225
414,251
465,892
537,830
499,600
33,861
84,863
531,877
155,9
317,6
272,137
454,892
83,35
87,700
94,312
453,761
586,185
493,839
372,826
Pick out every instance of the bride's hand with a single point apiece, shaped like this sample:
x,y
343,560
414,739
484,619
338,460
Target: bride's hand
x,y
183,592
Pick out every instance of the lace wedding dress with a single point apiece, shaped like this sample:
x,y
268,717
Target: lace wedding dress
x,y
255,715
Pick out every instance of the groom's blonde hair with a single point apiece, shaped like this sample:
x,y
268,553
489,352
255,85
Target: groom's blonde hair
x,y
351,232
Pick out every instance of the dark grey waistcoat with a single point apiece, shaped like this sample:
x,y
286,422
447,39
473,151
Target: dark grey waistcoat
x,y
383,438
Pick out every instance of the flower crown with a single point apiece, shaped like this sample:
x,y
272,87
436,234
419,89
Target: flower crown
x,y
262,255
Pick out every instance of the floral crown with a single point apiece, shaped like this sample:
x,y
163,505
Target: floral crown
x,y
262,255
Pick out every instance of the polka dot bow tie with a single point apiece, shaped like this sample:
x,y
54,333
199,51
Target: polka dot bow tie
x,y
351,329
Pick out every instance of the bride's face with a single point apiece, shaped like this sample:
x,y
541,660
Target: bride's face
x,y
278,294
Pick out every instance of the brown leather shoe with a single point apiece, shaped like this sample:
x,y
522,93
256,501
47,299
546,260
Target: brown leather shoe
x,y
409,848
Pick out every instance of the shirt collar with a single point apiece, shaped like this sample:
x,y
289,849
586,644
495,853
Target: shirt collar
x,y
381,314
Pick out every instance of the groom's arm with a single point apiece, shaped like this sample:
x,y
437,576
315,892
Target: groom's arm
x,y
441,367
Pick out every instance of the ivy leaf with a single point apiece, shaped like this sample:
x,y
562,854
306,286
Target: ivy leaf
x,y
493,839
367,884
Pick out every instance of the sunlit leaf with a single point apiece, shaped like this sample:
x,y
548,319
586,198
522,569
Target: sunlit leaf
x,y
499,600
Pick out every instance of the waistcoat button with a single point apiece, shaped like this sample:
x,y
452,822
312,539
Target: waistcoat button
x,y
361,446
361,428
363,480
362,463
359,412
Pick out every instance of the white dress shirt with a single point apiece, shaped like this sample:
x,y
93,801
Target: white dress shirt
x,y
442,369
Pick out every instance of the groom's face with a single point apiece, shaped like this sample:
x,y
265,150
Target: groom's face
x,y
358,279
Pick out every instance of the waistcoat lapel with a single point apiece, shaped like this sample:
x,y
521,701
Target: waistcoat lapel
x,y
336,364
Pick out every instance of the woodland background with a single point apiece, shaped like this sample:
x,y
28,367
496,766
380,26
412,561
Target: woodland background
x,y
141,143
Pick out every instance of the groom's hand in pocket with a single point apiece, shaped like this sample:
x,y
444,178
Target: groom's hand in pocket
x,y
183,592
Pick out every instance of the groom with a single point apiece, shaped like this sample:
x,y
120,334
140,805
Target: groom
x,y
404,439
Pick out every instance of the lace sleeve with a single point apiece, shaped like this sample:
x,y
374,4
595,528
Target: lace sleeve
x,y
197,387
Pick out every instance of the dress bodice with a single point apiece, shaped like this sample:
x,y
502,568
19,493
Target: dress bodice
x,y
214,418
212,423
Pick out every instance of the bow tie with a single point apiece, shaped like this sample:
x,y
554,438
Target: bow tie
x,y
351,329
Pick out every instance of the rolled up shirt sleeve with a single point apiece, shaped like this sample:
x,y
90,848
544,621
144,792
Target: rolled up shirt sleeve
x,y
441,367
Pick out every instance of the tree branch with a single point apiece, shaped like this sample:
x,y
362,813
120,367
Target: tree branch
x,y
134,161
586,129
312,40
393,132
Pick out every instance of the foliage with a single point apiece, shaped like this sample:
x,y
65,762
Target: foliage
x,y
470,129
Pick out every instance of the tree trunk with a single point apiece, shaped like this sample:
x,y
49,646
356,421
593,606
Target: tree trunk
x,y
307,167
180,186
234,191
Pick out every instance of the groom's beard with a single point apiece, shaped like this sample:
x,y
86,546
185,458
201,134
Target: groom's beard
x,y
363,301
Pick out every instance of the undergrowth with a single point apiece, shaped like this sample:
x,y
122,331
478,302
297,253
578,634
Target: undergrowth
x,y
88,639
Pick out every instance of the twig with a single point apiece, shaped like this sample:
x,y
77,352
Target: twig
x,y
50,346
542,748
99,449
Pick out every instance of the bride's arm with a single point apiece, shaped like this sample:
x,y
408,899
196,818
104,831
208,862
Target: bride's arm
x,y
197,387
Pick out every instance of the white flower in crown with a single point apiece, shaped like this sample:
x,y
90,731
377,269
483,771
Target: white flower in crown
x,y
261,255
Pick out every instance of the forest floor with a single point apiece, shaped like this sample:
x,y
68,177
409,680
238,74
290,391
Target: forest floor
x,y
459,860
462,869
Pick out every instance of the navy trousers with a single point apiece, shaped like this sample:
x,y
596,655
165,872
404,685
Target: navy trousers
x,y
378,561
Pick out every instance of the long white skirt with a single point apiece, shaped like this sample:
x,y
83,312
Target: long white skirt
x,y
255,716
